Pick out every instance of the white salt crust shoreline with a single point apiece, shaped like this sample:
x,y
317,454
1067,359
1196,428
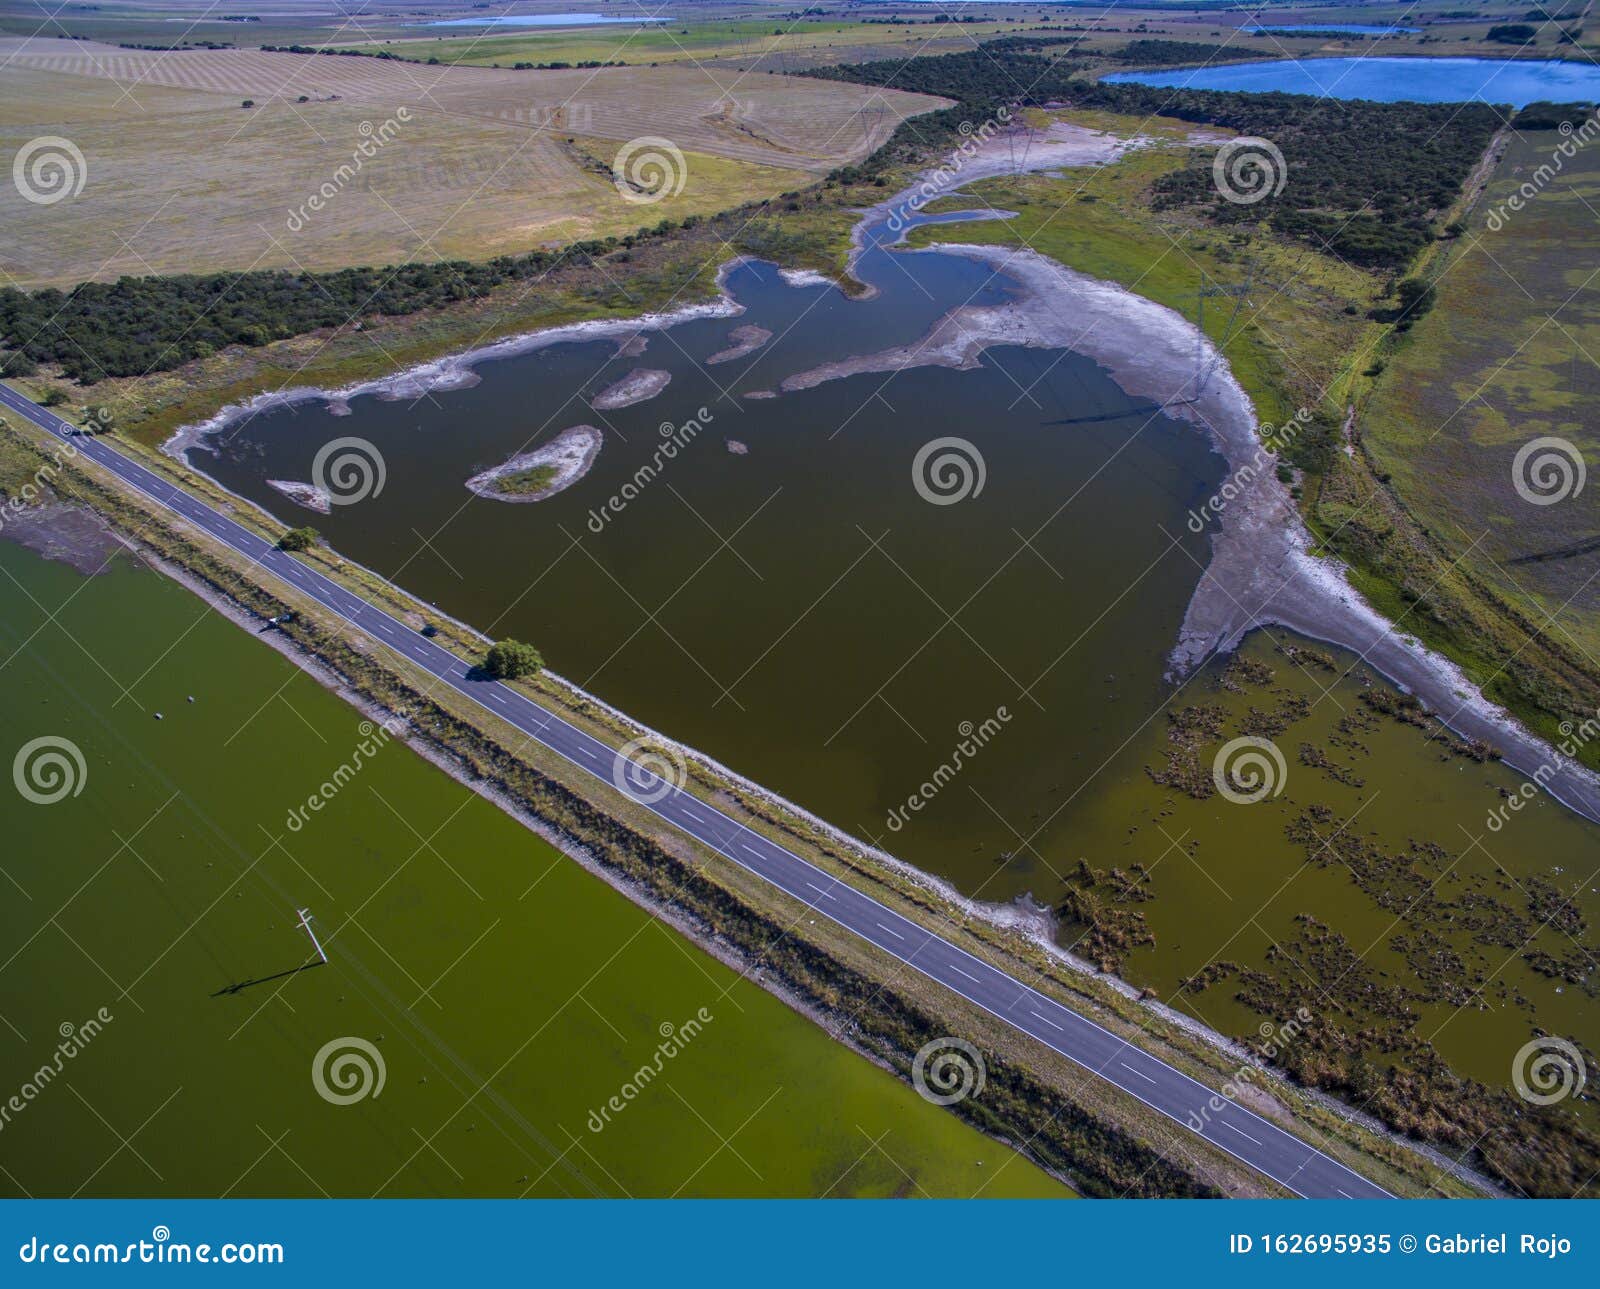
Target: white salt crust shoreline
x,y
570,454
455,371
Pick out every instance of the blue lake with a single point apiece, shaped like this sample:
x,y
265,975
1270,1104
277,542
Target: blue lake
x,y
1392,80
1354,28
539,20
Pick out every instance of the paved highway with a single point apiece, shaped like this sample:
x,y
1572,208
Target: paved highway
x,y
1264,1146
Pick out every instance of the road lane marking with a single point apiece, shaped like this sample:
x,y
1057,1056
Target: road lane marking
x,y
820,890
1046,1020
1141,1074
892,931
1240,1131
967,974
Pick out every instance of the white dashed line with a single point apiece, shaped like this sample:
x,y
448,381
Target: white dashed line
x,y
891,931
1240,1131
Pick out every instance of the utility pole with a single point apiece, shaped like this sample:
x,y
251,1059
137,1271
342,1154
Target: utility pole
x,y
305,923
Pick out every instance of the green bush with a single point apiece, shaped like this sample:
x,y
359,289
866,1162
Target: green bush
x,y
511,660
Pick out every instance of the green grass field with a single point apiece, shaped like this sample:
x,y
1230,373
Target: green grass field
x,y
1509,355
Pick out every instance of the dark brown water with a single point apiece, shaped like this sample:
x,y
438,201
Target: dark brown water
x,y
799,611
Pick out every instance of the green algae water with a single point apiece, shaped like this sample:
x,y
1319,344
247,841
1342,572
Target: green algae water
x,y
507,996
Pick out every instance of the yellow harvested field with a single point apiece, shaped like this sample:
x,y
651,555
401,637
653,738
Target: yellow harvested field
x,y
344,160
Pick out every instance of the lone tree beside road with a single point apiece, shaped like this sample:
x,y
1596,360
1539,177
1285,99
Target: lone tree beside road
x,y
298,539
511,660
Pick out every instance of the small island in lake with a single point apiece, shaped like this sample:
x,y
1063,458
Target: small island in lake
x,y
543,471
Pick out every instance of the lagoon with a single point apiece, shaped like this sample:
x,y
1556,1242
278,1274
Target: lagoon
x,y
1392,80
